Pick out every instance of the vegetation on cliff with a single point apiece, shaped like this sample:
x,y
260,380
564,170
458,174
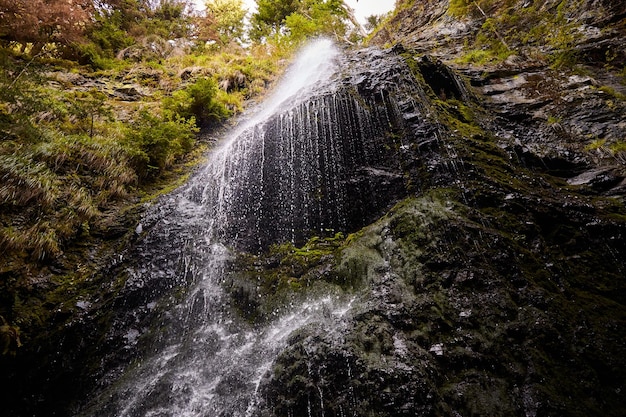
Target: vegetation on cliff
x,y
104,104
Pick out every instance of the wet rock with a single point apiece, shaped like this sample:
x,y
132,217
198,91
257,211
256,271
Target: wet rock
x,y
601,179
479,306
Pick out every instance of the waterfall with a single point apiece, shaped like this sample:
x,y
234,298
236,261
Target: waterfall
x,y
312,159
284,174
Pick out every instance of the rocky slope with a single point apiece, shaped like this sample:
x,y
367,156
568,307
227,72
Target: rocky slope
x,y
554,68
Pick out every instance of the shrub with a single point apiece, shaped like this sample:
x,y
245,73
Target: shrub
x,y
154,143
197,101
90,54
108,34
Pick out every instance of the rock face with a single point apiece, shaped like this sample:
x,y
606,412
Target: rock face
x,y
552,68
498,289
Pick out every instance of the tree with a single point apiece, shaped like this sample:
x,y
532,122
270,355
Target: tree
x,y
169,19
132,11
270,17
372,22
119,24
317,17
196,102
44,21
299,19
87,107
224,21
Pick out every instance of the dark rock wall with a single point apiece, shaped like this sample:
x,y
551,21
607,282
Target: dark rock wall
x,y
325,166
497,290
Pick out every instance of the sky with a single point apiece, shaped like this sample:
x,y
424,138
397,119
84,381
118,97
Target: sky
x,y
365,8
362,8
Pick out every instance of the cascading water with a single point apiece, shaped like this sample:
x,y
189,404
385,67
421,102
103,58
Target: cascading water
x,y
287,173
314,159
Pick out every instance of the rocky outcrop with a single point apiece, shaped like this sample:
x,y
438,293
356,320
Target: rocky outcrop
x,y
558,101
497,290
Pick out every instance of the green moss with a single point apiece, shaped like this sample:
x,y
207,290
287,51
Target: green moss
x,y
509,28
565,58
612,208
618,146
411,62
359,258
309,255
458,117
613,93
614,150
553,120
284,271
459,8
483,56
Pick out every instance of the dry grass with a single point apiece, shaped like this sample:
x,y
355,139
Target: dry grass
x,y
56,187
25,181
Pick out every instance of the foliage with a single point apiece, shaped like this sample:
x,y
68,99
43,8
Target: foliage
x,y
270,17
325,18
63,159
169,19
26,181
154,143
224,21
614,151
73,161
19,98
90,54
239,74
372,22
90,31
119,24
298,19
57,185
612,92
510,29
108,35
41,21
86,107
198,102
